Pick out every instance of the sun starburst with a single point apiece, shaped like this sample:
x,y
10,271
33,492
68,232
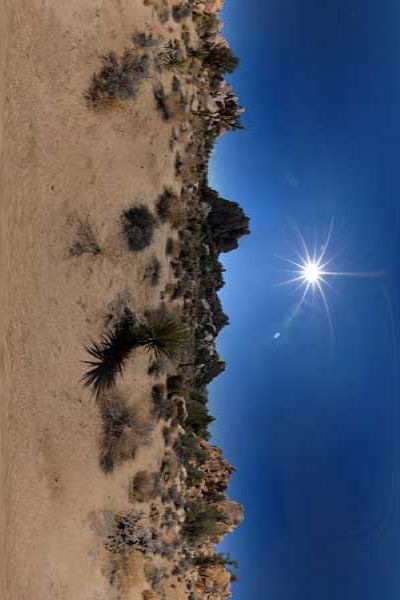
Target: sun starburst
x,y
312,270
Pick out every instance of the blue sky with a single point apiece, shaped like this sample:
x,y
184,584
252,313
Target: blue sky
x,y
311,423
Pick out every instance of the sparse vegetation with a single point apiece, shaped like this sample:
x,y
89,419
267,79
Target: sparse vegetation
x,y
118,78
152,271
161,102
163,335
145,40
154,575
85,242
202,521
221,59
123,431
110,355
169,208
144,486
162,405
169,246
180,12
138,225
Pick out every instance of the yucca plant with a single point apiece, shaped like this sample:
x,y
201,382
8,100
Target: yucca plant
x,y
110,355
163,335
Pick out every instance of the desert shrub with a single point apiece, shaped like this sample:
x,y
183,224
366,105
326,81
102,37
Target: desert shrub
x,y
157,367
152,271
169,246
118,78
138,225
164,203
168,208
145,40
110,355
215,559
172,494
161,102
199,418
123,431
85,242
194,475
144,486
162,405
164,14
154,575
221,59
167,435
182,567
170,55
175,384
169,519
176,84
163,335
129,534
202,521
186,37
179,164
180,12
191,450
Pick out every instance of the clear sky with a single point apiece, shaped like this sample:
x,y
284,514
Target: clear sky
x,y
310,422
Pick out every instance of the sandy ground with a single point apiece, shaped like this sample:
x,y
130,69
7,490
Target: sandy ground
x,y
60,163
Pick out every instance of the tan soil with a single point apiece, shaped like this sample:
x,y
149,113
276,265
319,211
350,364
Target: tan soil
x,y
62,162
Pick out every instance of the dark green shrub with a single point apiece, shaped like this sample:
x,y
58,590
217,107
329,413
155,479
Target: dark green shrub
x,y
110,355
163,335
221,59
138,225
199,418
202,521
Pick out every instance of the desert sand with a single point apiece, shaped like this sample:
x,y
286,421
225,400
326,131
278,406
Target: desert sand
x,y
64,167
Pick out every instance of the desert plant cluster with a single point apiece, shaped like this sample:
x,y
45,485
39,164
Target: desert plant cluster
x,y
180,507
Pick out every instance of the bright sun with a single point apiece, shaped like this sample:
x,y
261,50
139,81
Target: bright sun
x,y
311,272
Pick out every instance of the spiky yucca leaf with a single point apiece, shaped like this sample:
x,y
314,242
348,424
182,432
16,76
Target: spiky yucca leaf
x,y
162,335
110,355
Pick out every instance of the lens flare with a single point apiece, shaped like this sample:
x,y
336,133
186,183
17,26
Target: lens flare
x,y
312,270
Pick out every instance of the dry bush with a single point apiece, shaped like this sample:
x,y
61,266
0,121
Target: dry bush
x,y
85,242
123,431
149,595
154,575
118,78
129,534
162,405
168,435
161,102
152,271
144,486
145,40
180,12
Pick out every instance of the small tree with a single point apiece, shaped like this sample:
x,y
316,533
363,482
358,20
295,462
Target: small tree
x,y
221,59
